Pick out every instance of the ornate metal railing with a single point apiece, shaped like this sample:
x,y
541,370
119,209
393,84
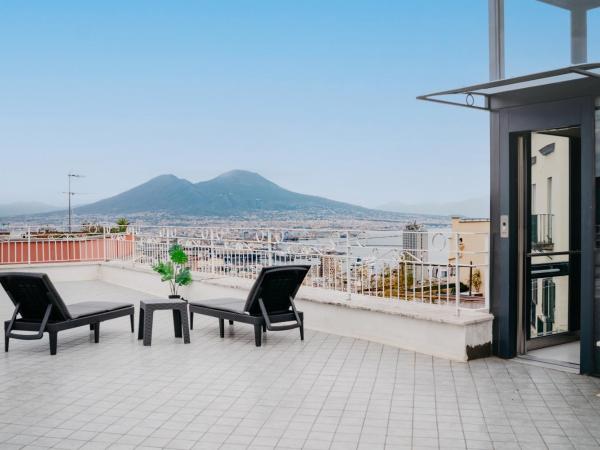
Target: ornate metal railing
x,y
437,267
542,236
397,265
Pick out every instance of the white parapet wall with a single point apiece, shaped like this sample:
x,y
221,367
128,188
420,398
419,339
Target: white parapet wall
x,y
435,330
456,340
59,272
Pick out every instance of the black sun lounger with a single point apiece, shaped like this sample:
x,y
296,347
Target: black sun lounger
x,y
39,308
271,300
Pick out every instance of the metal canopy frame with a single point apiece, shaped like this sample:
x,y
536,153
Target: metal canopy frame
x,y
471,92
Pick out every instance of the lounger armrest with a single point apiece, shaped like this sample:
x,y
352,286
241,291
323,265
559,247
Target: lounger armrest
x,y
267,319
283,327
27,337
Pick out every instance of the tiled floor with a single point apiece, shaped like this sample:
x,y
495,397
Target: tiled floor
x,y
328,392
562,353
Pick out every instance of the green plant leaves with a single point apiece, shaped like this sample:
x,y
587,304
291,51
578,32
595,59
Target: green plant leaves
x,y
174,271
178,255
166,270
184,277
122,222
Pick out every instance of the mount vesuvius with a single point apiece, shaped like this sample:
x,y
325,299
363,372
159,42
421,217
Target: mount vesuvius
x,y
234,193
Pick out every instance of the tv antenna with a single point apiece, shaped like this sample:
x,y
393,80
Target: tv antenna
x,y
70,193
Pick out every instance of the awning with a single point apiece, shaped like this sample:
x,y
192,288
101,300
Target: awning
x,y
571,81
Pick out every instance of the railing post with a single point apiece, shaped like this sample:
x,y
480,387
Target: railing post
x,y
212,251
348,274
486,273
105,243
133,243
28,245
457,281
270,248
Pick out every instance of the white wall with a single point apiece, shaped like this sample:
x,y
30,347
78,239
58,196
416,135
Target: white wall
x,y
430,329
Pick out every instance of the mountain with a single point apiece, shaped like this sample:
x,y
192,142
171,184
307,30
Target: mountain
x,y
475,207
22,208
234,193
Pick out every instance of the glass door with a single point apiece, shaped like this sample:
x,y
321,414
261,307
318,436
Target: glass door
x,y
552,210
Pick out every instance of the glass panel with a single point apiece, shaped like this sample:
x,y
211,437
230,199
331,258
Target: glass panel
x,y
549,306
549,231
549,203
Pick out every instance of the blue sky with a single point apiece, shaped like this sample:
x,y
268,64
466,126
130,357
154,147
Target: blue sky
x,y
318,96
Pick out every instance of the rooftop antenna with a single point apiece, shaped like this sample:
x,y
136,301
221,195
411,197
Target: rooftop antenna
x,y
70,193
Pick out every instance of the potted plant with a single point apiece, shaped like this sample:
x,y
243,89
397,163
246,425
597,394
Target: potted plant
x,y
174,271
122,223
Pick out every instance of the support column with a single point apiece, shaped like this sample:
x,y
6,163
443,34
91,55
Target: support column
x,y
496,38
578,36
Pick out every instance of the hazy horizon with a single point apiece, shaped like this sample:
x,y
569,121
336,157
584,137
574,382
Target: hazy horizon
x,y
393,206
318,97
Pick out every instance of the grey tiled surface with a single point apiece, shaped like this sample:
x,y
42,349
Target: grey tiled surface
x,y
328,392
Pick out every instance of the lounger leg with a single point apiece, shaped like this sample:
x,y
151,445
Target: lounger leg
x,y
141,325
222,327
264,327
131,319
53,341
97,332
231,322
257,335
6,338
302,331
191,320
177,323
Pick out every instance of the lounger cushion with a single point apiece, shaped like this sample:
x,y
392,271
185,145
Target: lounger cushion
x,y
234,305
88,308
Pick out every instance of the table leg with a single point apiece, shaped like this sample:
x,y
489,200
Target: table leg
x,y
148,327
177,322
185,326
141,324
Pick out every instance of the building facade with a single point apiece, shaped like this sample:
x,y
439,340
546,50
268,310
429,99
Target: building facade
x,y
473,250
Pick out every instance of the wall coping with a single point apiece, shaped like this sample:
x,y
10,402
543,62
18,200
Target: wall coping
x,y
413,310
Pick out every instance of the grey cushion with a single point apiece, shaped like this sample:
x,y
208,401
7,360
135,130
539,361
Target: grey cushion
x,y
88,308
235,305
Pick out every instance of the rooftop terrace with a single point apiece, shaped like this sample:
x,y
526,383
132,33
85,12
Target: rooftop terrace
x,y
328,392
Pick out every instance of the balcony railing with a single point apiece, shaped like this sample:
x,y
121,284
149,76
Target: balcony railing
x,y
541,227
437,267
32,246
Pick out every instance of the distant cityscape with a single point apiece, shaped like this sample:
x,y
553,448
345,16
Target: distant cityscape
x,y
234,198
